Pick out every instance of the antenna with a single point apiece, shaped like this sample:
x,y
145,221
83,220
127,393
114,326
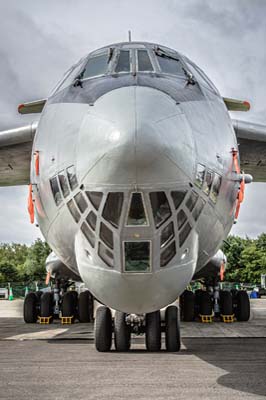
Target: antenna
x,y
129,36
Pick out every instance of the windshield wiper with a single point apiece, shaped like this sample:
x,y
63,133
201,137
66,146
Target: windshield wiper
x,y
189,76
161,53
78,79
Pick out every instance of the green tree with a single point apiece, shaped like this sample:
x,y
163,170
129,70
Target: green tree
x,y
254,260
8,271
34,265
233,248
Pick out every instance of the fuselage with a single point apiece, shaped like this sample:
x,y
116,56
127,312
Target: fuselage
x,y
135,191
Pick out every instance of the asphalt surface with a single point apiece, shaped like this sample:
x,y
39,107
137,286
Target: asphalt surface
x,y
203,369
65,364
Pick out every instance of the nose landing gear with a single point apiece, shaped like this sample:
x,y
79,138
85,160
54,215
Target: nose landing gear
x,y
123,325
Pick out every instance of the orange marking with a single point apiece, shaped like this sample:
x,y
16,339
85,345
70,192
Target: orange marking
x,y
235,160
30,205
37,163
48,276
240,195
247,104
20,107
222,271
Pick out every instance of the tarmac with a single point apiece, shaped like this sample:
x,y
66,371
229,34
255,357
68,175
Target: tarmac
x,y
216,361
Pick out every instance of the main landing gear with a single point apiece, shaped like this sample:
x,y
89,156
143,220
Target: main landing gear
x,y
215,303
123,325
59,303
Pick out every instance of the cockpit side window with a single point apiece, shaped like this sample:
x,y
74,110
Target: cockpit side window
x,y
97,65
169,65
63,184
55,190
160,208
200,173
217,180
123,63
69,76
144,62
72,178
113,207
200,76
208,182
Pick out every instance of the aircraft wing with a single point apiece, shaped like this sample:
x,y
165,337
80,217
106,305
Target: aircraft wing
x,y
15,155
252,148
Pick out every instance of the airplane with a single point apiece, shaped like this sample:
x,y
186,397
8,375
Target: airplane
x,y
135,181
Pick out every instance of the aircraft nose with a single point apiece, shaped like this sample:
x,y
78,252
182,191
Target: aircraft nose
x,y
135,136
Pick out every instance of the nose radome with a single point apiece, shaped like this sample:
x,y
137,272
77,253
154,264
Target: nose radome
x,y
135,136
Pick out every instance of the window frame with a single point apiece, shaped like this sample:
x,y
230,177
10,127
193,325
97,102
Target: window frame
x,y
124,256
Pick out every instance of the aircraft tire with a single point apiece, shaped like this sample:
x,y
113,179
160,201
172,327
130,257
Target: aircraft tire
x,y
103,329
122,332
205,304
30,308
84,307
188,306
198,293
153,331
39,295
75,296
69,305
46,306
243,306
226,302
172,329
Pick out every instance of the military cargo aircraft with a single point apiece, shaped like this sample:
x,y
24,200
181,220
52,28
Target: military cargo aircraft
x,y
135,181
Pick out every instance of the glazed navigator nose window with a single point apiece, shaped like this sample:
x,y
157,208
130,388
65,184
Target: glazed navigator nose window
x,y
137,214
137,256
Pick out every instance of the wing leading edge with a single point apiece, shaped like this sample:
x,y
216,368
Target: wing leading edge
x,y
252,148
15,155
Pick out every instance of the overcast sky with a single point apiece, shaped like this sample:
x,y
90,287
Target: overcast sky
x,y
41,39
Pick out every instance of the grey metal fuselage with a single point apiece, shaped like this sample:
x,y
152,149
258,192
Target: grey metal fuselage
x,y
135,132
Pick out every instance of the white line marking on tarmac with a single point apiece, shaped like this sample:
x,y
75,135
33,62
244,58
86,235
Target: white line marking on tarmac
x,y
47,334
